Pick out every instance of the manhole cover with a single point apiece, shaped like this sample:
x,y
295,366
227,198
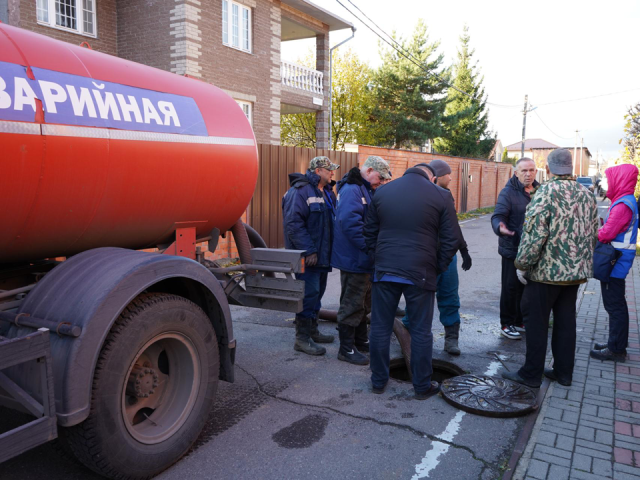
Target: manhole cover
x,y
489,396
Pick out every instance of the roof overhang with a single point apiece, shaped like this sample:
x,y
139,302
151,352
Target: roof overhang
x,y
333,21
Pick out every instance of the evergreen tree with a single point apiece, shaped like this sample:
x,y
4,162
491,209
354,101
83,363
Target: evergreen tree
x,y
410,99
466,129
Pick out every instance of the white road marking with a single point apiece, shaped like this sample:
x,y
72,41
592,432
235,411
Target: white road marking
x,y
432,457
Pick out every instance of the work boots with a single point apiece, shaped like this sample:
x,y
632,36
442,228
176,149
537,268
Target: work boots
x,y
451,334
304,342
348,352
318,337
362,337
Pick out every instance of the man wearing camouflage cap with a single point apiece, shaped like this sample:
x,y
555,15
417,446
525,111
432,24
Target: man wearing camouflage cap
x,y
308,210
350,256
554,257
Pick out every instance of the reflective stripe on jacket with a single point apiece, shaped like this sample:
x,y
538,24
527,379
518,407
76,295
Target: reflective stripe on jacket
x,y
625,242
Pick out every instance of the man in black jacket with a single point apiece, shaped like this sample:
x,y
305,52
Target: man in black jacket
x,y
507,221
409,229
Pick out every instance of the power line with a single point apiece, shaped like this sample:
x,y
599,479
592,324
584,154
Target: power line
x,y
402,51
559,136
590,97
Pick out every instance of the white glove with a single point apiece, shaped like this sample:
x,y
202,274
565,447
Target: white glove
x,y
521,276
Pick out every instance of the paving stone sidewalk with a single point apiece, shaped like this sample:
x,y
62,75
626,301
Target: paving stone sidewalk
x,y
591,430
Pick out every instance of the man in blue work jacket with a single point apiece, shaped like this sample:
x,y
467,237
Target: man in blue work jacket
x,y
308,210
355,191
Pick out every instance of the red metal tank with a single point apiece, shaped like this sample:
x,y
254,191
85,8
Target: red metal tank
x,y
100,151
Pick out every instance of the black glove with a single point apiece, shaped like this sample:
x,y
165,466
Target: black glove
x,y
311,260
466,259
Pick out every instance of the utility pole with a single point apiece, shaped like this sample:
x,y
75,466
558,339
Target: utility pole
x,y
524,124
581,155
575,151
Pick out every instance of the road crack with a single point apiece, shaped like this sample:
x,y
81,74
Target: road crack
x,y
407,428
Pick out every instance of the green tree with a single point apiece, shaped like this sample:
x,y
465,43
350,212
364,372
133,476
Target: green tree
x,y
351,106
631,140
466,129
507,159
410,99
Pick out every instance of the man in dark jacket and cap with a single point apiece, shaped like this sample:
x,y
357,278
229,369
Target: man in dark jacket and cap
x,y
308,211
350,255
409,229
507,221
448,283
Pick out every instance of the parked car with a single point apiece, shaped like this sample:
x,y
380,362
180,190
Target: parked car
x,y
587,182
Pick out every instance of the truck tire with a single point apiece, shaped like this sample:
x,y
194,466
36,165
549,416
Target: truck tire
x,y
153,389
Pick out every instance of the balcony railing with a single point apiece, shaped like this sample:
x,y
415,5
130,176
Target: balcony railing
x,y
300,77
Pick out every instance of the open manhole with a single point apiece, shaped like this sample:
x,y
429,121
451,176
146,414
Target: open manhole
x,y
441,370
489,396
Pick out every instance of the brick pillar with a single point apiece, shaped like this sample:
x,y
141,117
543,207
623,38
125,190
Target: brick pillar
x,y
322,65
275,79
186,48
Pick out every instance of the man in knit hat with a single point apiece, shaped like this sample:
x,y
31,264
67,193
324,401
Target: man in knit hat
x,y
308,211
554,257
448,282
355,191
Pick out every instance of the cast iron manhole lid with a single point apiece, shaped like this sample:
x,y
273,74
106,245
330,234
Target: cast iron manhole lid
x,y
489,396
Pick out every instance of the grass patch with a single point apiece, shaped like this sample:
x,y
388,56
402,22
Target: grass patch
x,y
475,213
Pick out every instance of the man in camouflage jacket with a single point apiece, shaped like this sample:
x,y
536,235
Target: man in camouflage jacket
x,y
554,257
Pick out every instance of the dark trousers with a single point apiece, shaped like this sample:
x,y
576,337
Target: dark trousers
x,y
538,300
355,298
447,294
384,302
510,295
315,283
615,304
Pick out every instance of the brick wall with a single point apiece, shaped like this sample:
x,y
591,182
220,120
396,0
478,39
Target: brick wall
x,y
143,31
487,177
22,13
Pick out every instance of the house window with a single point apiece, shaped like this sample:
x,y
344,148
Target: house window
x,y
78,16
236,25
246,108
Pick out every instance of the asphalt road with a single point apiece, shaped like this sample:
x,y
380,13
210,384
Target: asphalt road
x,y
289,415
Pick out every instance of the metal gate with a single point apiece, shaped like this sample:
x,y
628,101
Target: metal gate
x,y
464,186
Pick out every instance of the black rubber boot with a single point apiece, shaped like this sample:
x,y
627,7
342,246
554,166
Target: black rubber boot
x,y
362,337
451,334
318,337
304,342
348,352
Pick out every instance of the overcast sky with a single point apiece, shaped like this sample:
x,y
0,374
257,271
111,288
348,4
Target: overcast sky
x,y
551,50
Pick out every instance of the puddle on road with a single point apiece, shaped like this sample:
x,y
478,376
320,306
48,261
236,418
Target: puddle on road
x,y
303,433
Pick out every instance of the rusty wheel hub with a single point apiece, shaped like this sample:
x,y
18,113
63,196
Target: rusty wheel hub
x,y
142,382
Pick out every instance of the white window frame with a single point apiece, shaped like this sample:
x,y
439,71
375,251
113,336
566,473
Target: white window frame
x,y
50,20
241,42
247,109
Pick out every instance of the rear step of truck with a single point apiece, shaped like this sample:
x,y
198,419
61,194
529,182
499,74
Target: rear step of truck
x,y
32,348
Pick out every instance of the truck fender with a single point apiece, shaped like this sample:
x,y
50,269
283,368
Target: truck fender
x,y
91,290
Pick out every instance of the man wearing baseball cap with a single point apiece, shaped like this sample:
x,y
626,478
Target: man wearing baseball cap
x,y
355,191
308,210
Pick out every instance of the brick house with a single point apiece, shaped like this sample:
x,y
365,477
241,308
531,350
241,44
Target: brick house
x,y
233,44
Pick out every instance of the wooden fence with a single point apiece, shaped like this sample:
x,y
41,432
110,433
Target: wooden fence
x,y
276,163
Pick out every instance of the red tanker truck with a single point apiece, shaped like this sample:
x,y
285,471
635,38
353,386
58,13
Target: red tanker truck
x,y
116,349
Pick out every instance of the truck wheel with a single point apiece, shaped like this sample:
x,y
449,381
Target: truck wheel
x,y
153,388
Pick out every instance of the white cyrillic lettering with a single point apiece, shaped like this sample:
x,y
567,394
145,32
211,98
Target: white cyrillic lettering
x,y
82,102
107,104
24,94
169,113
128,108
5,98
52,93
150,112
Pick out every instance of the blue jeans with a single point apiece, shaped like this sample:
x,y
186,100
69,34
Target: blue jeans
x,y
447,296
384,302
315,283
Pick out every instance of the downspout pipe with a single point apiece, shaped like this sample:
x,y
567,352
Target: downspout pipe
x,y
353,33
